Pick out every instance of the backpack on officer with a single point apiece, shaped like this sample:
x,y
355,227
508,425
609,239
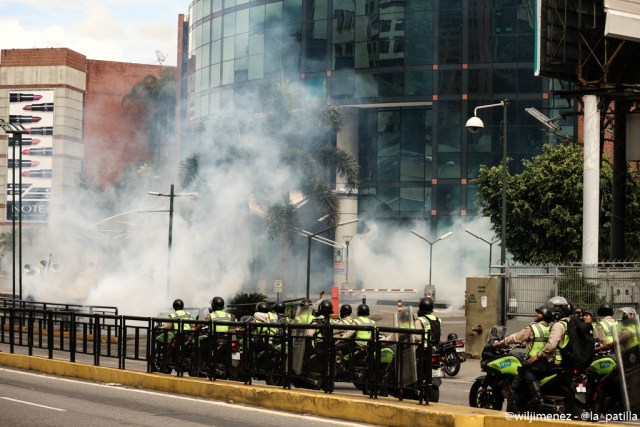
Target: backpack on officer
x,y
579,352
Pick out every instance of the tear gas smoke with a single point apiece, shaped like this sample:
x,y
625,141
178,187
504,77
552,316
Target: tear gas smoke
x,y
219,246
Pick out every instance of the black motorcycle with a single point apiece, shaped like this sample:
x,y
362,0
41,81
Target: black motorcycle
x,y
603,384
171,352
221,360
453,351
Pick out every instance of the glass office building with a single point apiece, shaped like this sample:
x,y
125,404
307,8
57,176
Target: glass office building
x,y
411,72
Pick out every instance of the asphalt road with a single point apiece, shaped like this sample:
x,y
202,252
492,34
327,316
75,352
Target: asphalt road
x,y
32,399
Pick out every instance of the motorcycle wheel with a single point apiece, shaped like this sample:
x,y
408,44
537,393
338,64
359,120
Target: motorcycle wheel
x,y
452,367
159,365
236,374
487,399
273,378
571,404
194,368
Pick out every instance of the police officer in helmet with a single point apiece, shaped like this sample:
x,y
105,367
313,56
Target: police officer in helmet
x,y
217,314
427,321
180,316
345,314
279,308
543,360
535,336
304,315
325,308
362,337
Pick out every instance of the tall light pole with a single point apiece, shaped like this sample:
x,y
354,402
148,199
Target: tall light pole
x,y
347,239
16,130
309,238
486,241
444,236
474,124
171,196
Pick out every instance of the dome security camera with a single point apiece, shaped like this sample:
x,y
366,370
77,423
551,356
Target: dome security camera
x,y
474,124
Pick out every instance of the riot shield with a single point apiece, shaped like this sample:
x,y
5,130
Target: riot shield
x,y
625,336
405,351
304,315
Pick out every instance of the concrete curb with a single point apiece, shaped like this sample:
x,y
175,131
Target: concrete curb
x,y
381,411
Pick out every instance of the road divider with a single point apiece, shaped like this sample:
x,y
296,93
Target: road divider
x,y
381,411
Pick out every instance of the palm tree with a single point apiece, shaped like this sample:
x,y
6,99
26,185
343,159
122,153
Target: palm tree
x,y
244,304
308,152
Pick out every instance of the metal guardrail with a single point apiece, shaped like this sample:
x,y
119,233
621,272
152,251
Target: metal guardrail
x,y
97,309
286,355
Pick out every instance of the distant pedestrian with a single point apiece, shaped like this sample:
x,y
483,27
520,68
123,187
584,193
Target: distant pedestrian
x,y
27,270
42,267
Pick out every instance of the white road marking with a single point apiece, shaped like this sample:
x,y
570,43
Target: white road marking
x,y
202,400
33,404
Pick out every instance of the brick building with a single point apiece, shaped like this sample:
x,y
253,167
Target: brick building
x,y
81,129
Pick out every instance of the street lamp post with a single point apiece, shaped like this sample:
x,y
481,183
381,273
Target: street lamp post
x,y
347,239
474,124
486,241
171,196
309,238
444,236
16,130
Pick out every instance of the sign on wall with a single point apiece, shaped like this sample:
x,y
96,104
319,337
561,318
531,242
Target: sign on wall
x,y
30,162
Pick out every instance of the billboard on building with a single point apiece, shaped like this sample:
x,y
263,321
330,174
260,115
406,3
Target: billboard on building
x,y
30,161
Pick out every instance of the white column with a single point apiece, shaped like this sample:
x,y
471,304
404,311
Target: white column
x,y
591,191
348,141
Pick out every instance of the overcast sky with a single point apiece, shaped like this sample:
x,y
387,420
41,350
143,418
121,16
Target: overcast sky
x,y
109,30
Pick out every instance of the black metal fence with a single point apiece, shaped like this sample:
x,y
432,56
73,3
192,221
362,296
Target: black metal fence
x,y
389,362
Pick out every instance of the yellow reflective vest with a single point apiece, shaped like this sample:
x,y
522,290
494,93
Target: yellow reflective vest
x,y
221,315
183,315
540,338
363,337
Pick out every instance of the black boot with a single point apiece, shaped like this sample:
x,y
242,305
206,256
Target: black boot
x,y
536,396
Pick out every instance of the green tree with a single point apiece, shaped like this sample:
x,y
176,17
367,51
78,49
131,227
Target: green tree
x,y
244,304
580,292
544,206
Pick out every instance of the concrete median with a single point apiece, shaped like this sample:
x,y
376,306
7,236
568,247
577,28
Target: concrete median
x,y
381,411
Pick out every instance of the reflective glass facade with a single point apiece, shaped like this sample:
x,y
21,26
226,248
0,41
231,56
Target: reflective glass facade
x,y
416,68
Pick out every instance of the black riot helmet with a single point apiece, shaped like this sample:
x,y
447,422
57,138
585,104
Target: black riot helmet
x,y
363,310
306,302
605,309
452,336
279,307
262,307
345,310
560,307
547,315
425,306
178,304
325,308
217,303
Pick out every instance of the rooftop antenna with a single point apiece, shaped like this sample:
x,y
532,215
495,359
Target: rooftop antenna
x,y
161,56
